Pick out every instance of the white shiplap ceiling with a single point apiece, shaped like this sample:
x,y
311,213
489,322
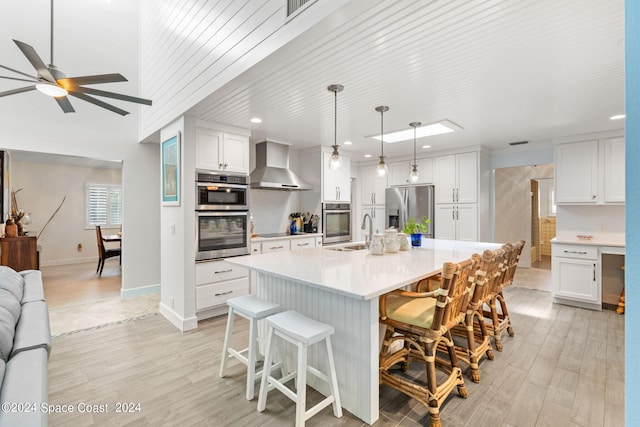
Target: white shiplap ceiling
x,y
505,71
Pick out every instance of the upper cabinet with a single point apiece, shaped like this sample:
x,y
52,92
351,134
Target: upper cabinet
x,y
221,151
590,171
372,187
456,178
336,184
399,172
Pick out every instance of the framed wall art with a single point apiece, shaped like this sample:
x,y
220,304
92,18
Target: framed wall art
x,y
171,171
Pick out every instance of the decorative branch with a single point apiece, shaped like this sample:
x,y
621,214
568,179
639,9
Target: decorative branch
x,y
51,217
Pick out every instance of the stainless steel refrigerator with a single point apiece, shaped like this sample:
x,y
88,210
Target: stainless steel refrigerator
x,y
402,203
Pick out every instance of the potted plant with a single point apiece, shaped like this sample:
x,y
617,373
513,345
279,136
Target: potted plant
x,y
416,229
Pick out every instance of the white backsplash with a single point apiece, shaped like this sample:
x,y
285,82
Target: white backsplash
x,y
271,209
600,221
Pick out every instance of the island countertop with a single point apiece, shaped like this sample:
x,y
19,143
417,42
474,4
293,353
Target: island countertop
x,y
359,274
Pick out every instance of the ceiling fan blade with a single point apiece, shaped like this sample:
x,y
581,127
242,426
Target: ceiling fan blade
x,y
14,91
65,104
20,80
90,80
98,102
35,60
18,72
113,95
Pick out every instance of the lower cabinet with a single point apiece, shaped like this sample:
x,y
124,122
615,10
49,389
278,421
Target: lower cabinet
x,y
456,222
216,282
575,275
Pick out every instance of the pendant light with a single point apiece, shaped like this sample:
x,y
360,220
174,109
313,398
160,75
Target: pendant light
x,y
413,176
382,166
334,161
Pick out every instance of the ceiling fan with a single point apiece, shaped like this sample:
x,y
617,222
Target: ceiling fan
x,y
53,82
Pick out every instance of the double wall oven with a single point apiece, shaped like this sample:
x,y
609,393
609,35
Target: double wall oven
x,y
222,216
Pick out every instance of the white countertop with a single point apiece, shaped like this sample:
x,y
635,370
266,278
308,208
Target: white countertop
x,y
259,238
358,274
614,240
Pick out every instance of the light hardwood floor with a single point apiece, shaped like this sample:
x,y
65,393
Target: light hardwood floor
x,y
564,367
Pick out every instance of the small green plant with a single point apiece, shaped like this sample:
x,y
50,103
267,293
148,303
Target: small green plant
x,y
413,227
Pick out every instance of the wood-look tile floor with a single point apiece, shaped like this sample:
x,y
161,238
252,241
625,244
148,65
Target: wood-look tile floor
x,y
564,367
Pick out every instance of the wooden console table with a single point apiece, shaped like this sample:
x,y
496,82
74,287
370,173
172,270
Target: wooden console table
x,y
19,253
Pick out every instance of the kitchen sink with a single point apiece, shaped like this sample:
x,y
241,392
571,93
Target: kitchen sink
x,y
356,247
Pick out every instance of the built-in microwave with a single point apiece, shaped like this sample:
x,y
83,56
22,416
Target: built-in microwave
x,y
222,234
222,192
336,222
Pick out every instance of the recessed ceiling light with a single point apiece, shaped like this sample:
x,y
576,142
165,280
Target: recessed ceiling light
x,y
256,120
617,117
347,143
367,155
437,128
426,146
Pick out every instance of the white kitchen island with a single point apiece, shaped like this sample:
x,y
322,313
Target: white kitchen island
x,y
341,288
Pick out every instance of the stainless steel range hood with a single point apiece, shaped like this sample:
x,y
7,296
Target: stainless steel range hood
x,y
272,169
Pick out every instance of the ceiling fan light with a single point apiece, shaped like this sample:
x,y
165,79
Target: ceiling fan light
x,y
51,90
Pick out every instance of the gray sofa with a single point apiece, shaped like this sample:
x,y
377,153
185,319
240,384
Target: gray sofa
x,y
25,343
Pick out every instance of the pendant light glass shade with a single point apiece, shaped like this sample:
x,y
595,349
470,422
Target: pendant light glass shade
x,y
413,176
382,166
335,162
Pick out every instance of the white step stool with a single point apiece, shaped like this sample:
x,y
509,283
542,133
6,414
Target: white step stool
x,y
253,309
302,332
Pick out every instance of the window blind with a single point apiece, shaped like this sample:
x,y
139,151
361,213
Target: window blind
x,y
103,205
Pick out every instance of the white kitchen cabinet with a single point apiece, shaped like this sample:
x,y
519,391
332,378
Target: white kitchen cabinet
x,y
456,178
336,185
372,186
303,243
269,246
399,172
590,172
575,274
216,282
221,151
456,221
614,167
576,172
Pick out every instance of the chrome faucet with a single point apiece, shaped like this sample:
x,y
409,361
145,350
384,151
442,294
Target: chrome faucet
x,y
367,237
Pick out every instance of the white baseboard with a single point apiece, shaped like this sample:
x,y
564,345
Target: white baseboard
x,y
54,262
142,290
177,320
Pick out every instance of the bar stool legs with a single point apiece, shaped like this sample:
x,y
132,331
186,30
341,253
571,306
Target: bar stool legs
x,y
253,309
302,332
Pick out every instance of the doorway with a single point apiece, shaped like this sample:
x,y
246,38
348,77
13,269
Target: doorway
x,y
543,222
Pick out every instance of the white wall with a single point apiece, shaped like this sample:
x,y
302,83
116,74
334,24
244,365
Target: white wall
x,y
43,187
32,122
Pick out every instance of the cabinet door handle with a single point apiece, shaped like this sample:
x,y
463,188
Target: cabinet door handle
x,y
222,293
594,272
276,247
593,197
457,213
303,244
223,271
457,194
453,195
453,214
225,165
575,252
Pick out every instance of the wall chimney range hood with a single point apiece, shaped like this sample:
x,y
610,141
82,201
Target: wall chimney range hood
x,y
272,169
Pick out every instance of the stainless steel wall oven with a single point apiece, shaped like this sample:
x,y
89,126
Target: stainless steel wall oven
x,y
336,222
222,216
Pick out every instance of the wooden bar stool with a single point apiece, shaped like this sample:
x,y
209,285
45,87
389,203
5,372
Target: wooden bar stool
x,y
253,309
302,332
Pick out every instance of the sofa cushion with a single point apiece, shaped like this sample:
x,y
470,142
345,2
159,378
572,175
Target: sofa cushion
x,y
11,281
26,381
9,315
33,289
32,329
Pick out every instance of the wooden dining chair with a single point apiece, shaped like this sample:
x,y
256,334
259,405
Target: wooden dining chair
x,y
421,321
104,253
